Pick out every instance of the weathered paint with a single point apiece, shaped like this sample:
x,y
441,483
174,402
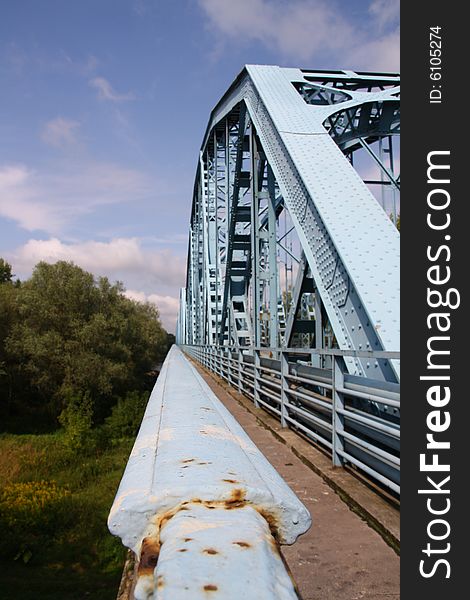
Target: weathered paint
x,y
189,446
217,554
193,467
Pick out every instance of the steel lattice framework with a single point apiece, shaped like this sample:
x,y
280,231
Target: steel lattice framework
x,y
288,246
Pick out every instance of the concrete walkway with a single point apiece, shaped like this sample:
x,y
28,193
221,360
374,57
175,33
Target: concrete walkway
x,y
341,557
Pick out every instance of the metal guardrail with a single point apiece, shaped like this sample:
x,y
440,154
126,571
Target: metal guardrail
x,y
199,504
356,419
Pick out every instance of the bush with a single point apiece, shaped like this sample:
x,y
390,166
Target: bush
x,y
77,420
53,510
30,514
126,416
63,330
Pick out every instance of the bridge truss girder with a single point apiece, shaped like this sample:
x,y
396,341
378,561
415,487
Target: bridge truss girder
x,y
270,151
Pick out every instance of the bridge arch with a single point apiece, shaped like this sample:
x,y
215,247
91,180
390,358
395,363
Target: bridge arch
x,y
288,246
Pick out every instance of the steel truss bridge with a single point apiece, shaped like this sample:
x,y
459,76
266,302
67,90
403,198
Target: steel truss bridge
x,y
292,289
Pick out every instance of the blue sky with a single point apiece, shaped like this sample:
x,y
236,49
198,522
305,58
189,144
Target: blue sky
x,y
103,105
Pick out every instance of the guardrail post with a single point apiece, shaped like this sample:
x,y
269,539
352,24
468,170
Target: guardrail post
x,y
240,371
377,441
256,376
229,366
337,418
284,386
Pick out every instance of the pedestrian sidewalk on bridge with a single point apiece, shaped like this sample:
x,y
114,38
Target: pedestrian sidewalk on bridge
x,y
341,557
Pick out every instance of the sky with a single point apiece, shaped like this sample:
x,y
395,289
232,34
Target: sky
x,y
103,106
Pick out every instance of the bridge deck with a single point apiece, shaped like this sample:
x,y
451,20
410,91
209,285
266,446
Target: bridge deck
x,y
340,557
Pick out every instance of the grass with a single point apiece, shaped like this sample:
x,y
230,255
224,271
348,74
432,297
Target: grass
x,y
54,542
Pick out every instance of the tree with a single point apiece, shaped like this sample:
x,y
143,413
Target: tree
x,y
170,340
5,271
77,337
8,316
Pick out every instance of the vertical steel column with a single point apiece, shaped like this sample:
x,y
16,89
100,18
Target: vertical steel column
x,y
227,227
392,170
237,170
255,240
227,178
382,177
216,257
317,359
203,218
200,323
274,337
337,418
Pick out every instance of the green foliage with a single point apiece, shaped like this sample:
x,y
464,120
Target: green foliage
x,y
77,419
8,316
64,333
5,271
126,416
30,514
74,351
53,511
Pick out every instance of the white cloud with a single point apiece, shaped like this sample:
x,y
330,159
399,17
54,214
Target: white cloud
x,y
50,200
296,29
385,12
107,92
167,306
19,200
309,30
378,55
60,132
122,259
